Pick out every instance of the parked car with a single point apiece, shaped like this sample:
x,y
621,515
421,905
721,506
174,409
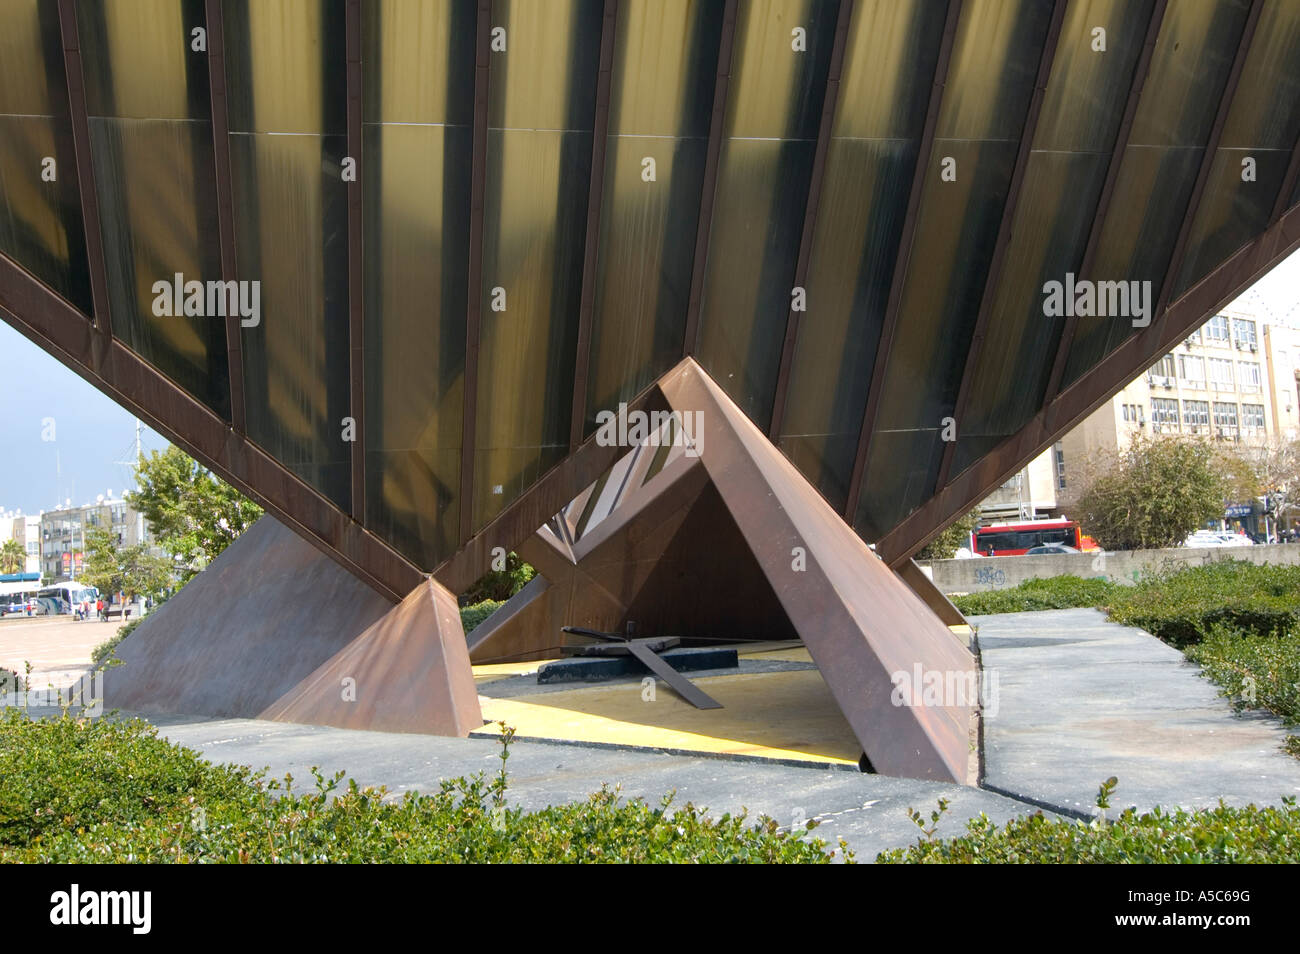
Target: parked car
x,y
1217,538
9,606
1051,548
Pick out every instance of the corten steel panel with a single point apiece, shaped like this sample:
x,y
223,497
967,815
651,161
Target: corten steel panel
x,y
356,283
410,672
998,261
1107,191
595,196
861,623
225,201
890,325
246,631
85,173
931,595
829,102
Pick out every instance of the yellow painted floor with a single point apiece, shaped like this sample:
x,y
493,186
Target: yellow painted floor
x,y
780,715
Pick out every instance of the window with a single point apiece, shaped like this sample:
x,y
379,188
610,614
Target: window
x,y
1225,415
1164,412
1194,337
1060,466
1243,333
1248,375
1252,416
1216,330
1221,374
1191,368
1164,367
1196,413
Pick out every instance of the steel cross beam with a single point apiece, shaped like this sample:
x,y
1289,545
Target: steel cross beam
x,y
595,199
829,102
726,44
1288,185
1140,71
356,272
998,262
56,326
890,324
72,68
474,300
225,202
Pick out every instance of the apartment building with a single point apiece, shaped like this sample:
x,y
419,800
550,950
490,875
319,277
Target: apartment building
x,y
1218,383
63,533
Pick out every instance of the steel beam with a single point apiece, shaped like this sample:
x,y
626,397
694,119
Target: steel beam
x,y
829,102
890,324
225,202
474,299
595,198
1140,71
59,328
1207,162
1094,388
998,261
356,273
76,80
722,83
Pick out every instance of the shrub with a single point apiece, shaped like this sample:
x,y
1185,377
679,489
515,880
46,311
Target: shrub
x,y
1057,592
471,616
1256,672
75,790
1179,607
500,584
1219,835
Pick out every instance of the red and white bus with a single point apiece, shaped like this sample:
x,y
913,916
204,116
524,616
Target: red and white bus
x,y
1012,539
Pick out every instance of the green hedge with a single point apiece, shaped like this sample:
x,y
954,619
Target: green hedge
x,y
1219,835
471,616
1180,606
74,790
1056,592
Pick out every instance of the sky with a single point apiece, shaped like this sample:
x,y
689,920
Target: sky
x,y
91,434
93,443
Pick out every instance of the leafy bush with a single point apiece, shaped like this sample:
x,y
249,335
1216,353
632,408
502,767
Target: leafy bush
x,y
1057,592
1219,835
8,681
471,616
1156,492
500,584
1179,607
945,545
74,790
101,653
1257,672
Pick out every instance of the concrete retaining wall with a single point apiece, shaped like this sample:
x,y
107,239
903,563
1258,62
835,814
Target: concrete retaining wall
x,y
977,575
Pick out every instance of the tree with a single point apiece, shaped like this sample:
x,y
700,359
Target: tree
x,y
13,557
1270,469
946,544
193,514
1156,492
132,570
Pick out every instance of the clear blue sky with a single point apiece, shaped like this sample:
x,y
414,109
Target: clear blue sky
x,y
92,434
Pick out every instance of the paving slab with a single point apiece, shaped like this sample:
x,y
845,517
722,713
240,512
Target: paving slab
x,y
1080,699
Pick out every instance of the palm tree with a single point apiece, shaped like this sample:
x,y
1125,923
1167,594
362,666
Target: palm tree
x,y
13,557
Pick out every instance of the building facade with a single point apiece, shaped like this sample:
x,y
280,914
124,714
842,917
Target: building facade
x,y
63,534
27,531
